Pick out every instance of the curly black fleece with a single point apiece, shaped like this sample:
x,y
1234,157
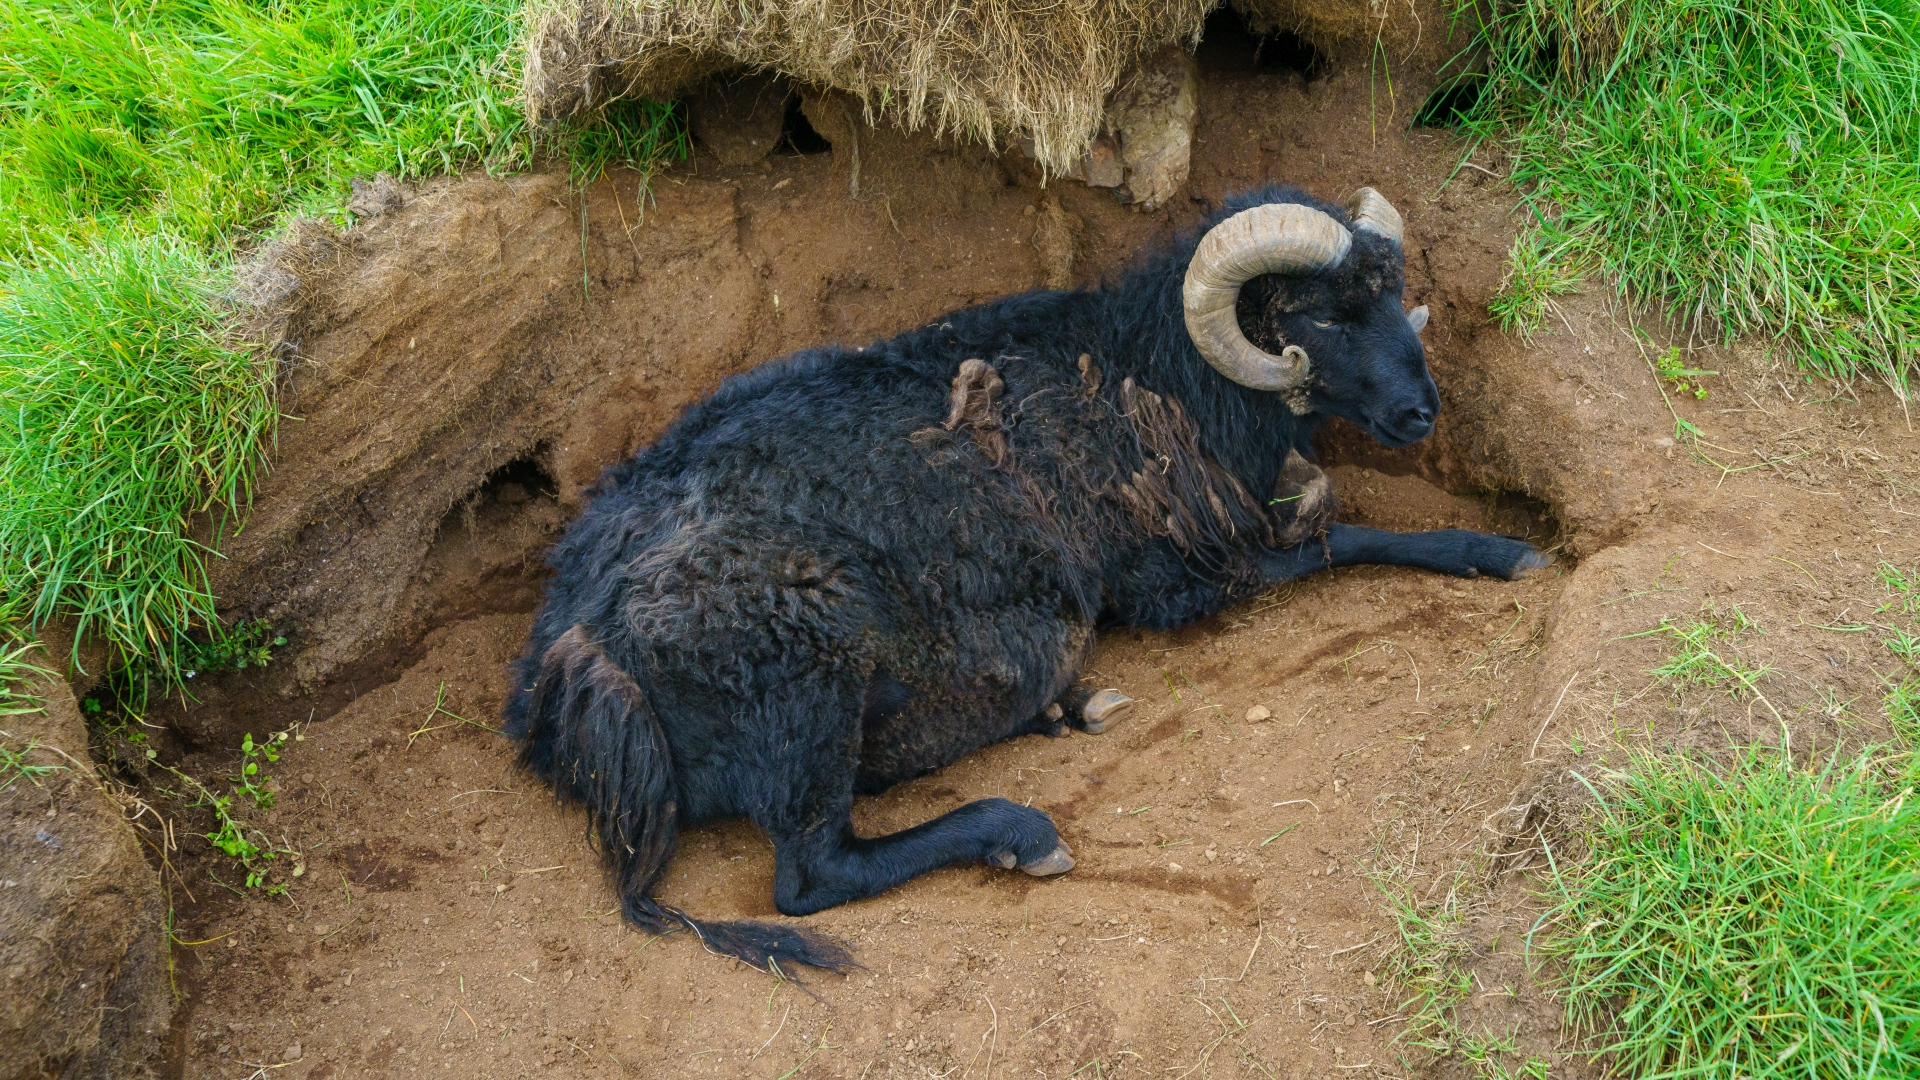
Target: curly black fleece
x,y
809,587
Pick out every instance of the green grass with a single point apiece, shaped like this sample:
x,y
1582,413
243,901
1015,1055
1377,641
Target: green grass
x,y
204,118
15,670
1749,165
1707,654
15,766
142,147
17,700
1903,710
1434,968
125,412
1902,702
1752,922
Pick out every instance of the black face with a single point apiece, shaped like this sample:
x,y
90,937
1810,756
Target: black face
x,y
1367,363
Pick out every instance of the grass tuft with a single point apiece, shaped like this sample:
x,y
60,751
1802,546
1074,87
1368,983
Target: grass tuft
x,y
16,672
1708,656
1537,271
125,414
1752,923
1434,967
1903,710
1750,165
204,118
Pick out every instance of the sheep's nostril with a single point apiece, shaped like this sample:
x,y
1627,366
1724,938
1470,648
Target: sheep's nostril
x,y
1416,417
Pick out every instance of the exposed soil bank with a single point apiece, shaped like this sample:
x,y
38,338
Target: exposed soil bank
x,y
469,360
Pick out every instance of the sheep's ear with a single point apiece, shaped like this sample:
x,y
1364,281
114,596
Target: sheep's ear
x,y
1417,318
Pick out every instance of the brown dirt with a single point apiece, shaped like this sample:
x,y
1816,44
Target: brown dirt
x,y
85,989
458,384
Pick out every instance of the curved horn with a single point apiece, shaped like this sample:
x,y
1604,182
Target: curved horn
x,y
1370,210
1279,238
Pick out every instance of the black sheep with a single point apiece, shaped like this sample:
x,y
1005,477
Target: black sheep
x,y
850,567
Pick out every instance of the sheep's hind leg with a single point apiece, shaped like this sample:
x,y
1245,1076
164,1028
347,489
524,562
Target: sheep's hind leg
x,y
828,865
804,802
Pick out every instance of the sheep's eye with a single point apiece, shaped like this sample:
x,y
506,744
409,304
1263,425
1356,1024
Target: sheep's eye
x,y
1324,325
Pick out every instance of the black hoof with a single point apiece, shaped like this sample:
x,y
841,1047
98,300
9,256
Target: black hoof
x,y
1530,560
1484,554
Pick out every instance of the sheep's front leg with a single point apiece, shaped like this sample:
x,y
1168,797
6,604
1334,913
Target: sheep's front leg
x,y
1459,552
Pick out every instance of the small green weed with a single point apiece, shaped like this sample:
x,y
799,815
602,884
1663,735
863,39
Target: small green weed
x,y
1903,589
439,709
252,782
1537,271
230,835
1752,922
14,764
1903,644
247,644
1671,368
1903,600
237,648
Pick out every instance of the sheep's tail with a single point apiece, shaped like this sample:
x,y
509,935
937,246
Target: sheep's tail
x,y
588,730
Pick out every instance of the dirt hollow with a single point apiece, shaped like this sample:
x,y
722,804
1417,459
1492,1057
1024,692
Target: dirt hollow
x,y
466,361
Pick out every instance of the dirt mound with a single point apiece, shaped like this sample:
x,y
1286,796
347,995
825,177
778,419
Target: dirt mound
x,y
82,919
466,361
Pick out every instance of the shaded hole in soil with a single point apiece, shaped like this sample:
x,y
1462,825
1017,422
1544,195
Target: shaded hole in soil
x,y
1511,513
1227,43
797,135
1451,103
504,491
1517,514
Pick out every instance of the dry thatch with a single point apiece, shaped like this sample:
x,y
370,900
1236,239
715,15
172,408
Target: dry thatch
x,y
987,69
